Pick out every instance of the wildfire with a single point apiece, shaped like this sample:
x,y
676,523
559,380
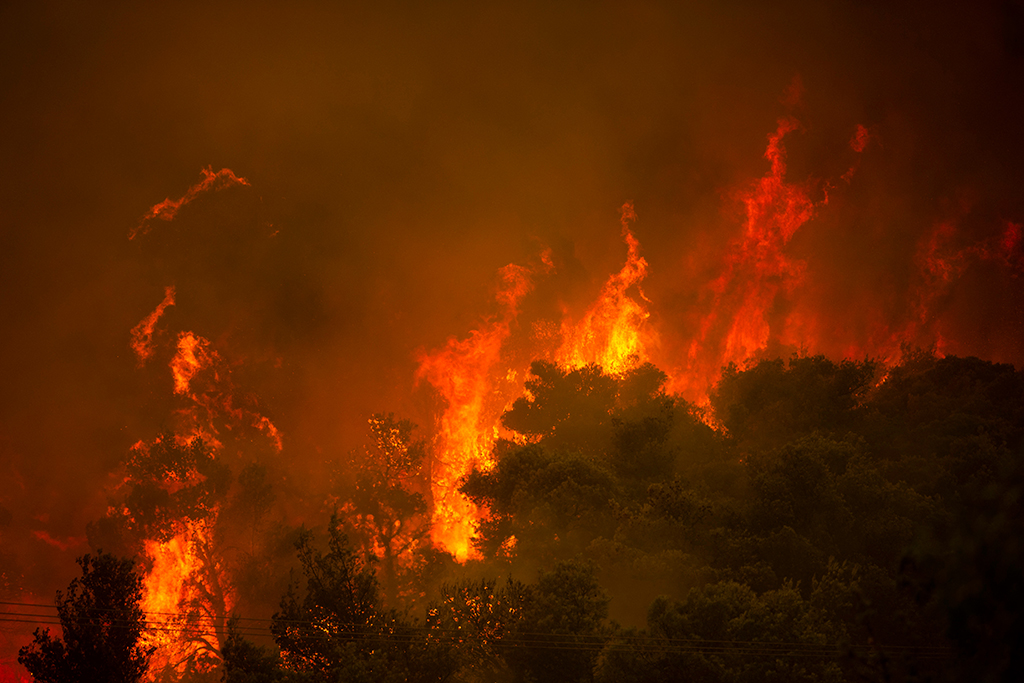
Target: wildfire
x,y
478,386
186,592
142,334
612,333
463,372
184,601
735,326
168,209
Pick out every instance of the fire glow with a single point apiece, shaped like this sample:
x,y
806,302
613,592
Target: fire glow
x,y
734,324
478,379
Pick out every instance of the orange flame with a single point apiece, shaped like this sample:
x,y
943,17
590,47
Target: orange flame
x,y
462,371
177,630
193,355
142,334
168,208
736,325
612,332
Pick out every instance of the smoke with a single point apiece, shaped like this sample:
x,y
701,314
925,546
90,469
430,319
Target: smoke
x,y
396,157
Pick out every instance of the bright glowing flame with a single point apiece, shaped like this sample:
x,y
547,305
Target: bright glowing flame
x,y
463,371
612,333
184,601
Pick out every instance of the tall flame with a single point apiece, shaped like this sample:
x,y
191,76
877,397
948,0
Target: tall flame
x,y
612,333
186,593
463,371
737,303
184,600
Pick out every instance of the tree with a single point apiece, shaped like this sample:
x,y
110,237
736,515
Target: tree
x,y
174,488
776,401
102,624
560,634
472,622
564,406
553,502
323,630
391,512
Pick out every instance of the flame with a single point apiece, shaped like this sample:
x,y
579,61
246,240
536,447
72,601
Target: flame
x,y
186,593
939,265
177,592
142,334
735,326
612,332
463,372
168,208
193,355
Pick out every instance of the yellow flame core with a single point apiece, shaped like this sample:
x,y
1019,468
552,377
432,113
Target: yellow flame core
x,y
612,333
163,591
463,371
469,375
177,628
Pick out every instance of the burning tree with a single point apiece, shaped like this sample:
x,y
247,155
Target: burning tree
x,y
339,630
169,509
392,513
102,621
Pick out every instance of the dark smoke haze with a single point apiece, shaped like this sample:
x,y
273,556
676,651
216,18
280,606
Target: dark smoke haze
x,y
399,155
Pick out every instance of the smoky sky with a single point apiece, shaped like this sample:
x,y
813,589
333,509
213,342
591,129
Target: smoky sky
x,y
399,154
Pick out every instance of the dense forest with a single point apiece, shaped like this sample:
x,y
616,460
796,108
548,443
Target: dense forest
x,y
820,521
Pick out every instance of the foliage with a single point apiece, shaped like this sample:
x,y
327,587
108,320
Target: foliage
x,y
475,621
392,513
769,403
560,635
851,522
101,622
564,406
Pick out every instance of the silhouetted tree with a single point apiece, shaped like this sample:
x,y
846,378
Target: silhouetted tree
x,y
473,621
776,401
101,622
564,407
560,634
390,507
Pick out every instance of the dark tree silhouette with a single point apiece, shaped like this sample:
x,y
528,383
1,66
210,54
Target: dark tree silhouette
x,y
102,623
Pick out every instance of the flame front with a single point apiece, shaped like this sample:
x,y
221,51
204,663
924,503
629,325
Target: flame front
x,y
612,333
463,371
